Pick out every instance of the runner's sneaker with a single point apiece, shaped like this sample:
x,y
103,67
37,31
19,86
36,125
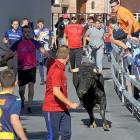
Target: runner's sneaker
x,y
29,110
42,82
127,52
109,58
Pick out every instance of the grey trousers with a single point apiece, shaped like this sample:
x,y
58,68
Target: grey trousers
x,y
76,57
96,57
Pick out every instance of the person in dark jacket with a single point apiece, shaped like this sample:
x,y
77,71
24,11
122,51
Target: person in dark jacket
x,y
26,22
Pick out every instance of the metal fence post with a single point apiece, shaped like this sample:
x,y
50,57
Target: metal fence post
x,y
118,75
132,73
122,78
115,71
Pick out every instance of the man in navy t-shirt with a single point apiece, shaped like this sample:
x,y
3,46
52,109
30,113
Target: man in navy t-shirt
x,y
11,36
10,106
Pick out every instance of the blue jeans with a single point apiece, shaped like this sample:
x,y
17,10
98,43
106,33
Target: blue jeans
x,y
58,122
108,48
120,34
41,68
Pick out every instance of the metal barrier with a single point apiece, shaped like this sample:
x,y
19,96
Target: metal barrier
x,y
119,74
137,16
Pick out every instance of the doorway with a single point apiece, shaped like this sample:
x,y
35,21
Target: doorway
x,y
81,8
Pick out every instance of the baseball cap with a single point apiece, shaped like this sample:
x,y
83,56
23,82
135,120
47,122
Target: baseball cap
x,y
65,16
74,15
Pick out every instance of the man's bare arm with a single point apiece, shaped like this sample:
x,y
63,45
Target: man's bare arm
x,y
57,92
105,36
130,24
64,39
17,126
5,40
59,31
44,52
85,39
6,56
53,40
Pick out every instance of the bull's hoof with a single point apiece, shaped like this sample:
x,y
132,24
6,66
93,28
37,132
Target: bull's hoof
x,y
94,125
96,106
105,126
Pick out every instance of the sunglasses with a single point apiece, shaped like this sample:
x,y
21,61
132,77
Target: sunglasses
x,y
65,18
99,18
90,22
73,18
113,6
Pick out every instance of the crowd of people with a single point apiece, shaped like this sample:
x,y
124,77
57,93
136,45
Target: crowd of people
x,y
27,47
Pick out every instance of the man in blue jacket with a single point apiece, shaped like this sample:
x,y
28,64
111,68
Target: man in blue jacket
x,y
26,22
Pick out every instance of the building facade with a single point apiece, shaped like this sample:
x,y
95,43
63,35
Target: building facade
x,y
79,6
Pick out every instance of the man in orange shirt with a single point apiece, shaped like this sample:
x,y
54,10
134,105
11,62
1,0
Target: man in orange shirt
x,y
75,33
129,26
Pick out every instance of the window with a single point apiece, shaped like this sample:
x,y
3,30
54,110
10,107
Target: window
x,y
64,10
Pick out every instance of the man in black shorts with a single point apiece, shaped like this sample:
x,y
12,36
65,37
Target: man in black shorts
x,y
26,50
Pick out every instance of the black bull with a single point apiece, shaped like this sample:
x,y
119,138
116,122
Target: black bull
x,y
89,84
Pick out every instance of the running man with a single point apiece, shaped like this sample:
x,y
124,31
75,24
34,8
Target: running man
x,y
103,25
96,37
26,50
61,28
10,107
128,26
26,22
56,103
11,36
42,35
75,32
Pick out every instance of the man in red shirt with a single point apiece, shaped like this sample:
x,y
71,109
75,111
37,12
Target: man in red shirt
x,y
75,33
56,105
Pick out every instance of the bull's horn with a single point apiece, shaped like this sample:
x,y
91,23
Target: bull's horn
x,y
94,70
97,71
73,70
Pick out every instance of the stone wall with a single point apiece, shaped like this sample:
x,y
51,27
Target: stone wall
x,y
101,6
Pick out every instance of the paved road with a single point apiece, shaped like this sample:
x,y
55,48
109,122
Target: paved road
x,y
123,126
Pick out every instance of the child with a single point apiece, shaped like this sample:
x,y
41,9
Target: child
x,y
107,41
10,106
